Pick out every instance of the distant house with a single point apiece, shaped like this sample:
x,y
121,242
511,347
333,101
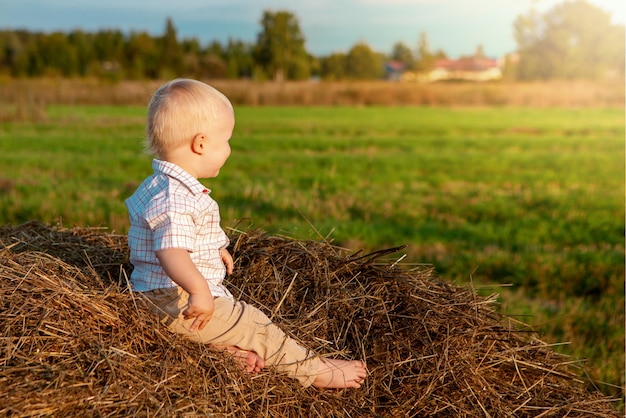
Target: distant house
x,y
462,69
466,69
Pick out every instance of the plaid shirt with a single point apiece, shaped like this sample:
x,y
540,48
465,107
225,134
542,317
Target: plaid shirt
x,y
172,209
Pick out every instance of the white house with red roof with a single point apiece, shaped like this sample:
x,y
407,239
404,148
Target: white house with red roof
x,y
468,69
462,69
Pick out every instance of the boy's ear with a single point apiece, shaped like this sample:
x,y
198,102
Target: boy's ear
x,y
198,143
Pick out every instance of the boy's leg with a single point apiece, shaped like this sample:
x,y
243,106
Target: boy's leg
x,y
166,303
241,325
247,327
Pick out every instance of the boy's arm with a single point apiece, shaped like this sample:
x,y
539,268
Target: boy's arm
x,y
180,268
227,259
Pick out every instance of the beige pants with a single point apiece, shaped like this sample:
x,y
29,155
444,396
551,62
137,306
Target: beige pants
x,y
235,323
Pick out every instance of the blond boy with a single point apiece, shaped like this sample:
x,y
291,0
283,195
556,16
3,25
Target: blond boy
x,y
178,248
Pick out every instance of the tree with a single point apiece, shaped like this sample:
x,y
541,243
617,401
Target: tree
x,y
362,63
209,62
108,47
84,52
403,54
49,54
171,51
20,50
280,47
238,57
333,67
59,55
572,40
142,56
425,58
11,53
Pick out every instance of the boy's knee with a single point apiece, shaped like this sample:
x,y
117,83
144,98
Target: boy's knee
x,y
165,303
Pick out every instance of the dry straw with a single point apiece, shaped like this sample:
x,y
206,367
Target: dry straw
x,y
76,343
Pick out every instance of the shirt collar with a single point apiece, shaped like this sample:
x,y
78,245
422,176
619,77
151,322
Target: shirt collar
x,y
176,172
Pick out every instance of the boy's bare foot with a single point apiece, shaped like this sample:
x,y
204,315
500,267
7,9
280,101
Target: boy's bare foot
x,y
336,374
249,361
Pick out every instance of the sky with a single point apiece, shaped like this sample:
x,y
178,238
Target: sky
x,y
457,27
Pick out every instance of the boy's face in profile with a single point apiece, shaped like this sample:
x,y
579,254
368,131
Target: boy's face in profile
x,y
216,145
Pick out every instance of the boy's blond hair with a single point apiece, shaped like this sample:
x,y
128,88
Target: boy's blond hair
x,y
179,110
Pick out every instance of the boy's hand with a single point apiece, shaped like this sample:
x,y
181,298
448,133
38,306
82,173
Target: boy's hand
x,y
227,259
200,308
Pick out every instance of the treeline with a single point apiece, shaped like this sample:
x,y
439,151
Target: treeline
x,y
574,40
278,53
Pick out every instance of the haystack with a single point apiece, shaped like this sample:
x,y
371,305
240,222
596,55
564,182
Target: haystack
x,y
76,343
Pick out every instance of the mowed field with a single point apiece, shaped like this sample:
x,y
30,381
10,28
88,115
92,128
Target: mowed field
x,y
528,203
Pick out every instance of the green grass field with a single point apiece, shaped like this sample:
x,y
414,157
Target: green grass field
x,y
489,196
